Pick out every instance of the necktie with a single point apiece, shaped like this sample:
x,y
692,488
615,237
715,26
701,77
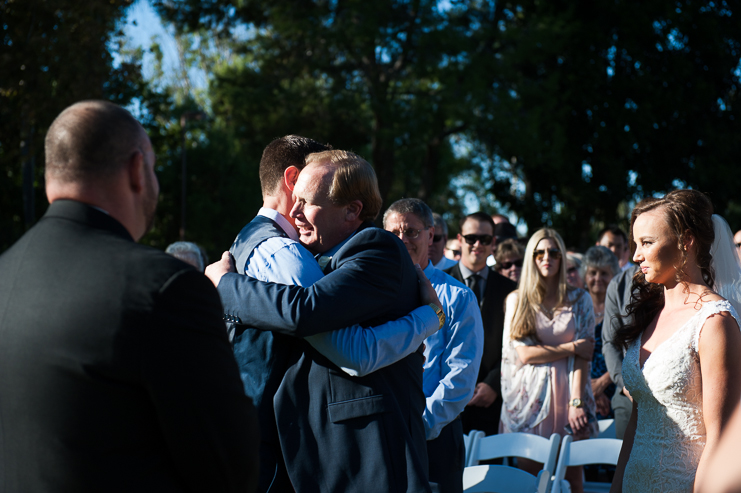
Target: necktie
x,y
474,282
323,261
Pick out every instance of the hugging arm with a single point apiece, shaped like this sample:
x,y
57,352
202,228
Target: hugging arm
x,y
364,284
359,351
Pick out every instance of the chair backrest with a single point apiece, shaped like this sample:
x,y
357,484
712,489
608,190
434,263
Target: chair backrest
x,y
524,445
503,479
591,451
606,428
470,441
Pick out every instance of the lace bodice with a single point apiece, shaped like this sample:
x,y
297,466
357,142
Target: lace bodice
x,y
670,434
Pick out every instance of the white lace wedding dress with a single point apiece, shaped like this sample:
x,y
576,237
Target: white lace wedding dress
x,y
670,435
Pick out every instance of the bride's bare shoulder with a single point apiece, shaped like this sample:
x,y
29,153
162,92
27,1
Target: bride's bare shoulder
x,y
711,296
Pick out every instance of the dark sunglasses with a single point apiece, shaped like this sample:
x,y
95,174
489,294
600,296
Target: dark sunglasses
x,y
553,253
508,265
454,252
483,239
437,238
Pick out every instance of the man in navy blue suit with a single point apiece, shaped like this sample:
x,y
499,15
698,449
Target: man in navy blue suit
x,y
267,249
340,433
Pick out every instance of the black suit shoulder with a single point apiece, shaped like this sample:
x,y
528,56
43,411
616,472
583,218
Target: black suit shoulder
x,y
455,272
119,346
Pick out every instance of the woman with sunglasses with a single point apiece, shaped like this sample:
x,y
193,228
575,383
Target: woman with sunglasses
x,y
508,258
547,350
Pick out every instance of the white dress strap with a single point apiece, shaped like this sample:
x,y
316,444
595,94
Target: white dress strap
x,y
708,310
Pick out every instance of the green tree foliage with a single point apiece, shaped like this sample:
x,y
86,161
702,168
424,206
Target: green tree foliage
x,y
223,191
570,111
566,112
222,188
382,78
600,103
53,53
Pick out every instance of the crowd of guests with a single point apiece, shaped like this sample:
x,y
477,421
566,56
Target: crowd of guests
x,y
324,354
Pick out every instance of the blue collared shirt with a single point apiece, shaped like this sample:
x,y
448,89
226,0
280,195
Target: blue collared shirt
x,y
453,353
357,350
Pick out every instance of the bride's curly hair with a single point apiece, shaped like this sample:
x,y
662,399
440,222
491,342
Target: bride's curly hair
x,y
688,214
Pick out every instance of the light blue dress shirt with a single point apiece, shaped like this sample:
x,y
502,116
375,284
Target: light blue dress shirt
x,y
445,263
453,353
356,350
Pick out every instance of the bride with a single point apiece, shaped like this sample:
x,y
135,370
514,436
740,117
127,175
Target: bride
x,y
682,361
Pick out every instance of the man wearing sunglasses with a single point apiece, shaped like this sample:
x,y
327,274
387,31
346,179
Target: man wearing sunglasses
x,y
477,243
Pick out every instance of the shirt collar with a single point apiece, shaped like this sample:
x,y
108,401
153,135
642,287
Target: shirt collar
x,y
336,248
280,220
430,269
466,272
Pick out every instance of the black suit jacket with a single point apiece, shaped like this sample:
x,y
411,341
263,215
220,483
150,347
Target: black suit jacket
x,y
492,315
116,373
337,432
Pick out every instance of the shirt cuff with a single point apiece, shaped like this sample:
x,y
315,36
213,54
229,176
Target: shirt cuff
x,y
429,318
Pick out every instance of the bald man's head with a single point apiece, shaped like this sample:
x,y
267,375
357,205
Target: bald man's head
x,y
91,140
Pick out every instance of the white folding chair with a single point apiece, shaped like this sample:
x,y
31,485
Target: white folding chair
x,y
469,441
523,445
581,453
503,479
606,428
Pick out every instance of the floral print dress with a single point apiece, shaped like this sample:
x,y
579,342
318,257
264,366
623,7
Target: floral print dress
x,y
536,396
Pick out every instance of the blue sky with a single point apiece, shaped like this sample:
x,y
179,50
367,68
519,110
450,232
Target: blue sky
x,y
142,26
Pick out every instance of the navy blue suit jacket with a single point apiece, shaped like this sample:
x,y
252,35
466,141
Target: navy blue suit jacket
x,y
337,432
263,358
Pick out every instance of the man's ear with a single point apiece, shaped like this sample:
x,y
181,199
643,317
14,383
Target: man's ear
x,y
353,210
290,176
432,233
136,169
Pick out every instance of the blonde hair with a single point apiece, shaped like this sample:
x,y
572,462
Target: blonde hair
x,y
532,287
353,179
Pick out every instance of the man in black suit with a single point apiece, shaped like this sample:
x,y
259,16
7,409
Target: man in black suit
x,y
477,242
116,371
338,432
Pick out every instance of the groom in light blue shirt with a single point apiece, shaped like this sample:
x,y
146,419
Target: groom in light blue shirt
x,y
453,354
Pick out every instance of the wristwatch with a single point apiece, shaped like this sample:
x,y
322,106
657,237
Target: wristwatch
x,y
576,402
440,314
